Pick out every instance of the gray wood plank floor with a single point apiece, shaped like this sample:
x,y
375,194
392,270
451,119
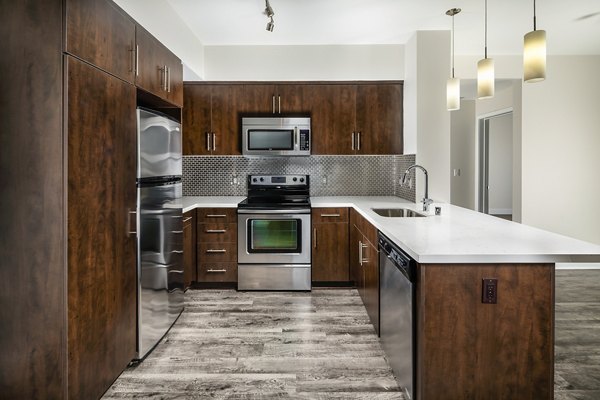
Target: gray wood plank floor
x,y
321,345
577,341
253,345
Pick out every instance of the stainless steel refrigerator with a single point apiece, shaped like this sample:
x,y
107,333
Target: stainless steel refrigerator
x,y
160,227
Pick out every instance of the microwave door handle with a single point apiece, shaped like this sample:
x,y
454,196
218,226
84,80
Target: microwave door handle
x,y
296,138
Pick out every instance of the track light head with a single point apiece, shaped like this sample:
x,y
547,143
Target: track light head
x,y
270,25
268,10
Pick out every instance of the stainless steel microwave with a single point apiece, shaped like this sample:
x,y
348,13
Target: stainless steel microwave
x,y
272,136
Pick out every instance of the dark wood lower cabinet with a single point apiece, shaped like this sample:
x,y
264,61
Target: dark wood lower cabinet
x,y
216,259
468,349
330,245
101,250
189,248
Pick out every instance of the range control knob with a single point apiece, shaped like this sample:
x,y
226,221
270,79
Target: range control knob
x,y
294,179
262,179
254,179
301,179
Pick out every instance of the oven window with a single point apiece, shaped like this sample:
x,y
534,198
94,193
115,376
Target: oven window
x,y
274,235
270,139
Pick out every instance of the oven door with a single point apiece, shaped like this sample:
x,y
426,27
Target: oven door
x,y
273,237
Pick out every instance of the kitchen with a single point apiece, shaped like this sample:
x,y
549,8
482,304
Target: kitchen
x,y
52,176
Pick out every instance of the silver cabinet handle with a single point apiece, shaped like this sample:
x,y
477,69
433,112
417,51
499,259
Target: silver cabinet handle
x,y
208,141
273,104
214,137
328,215
315,238
216,215
216,270
216,250
187,219
177,251
279,100
177,232
129,231
360,257
353,141
168,80
215,230
358,137
137,60
132,52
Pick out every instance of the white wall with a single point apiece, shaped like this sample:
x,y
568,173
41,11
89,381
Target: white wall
x,y
500,164
561,148
298,63
430,122
462,157
517,200
159,18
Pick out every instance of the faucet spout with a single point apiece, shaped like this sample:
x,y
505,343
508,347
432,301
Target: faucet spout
x,y
426,200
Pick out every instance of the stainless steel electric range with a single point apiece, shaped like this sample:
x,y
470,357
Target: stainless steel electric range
x,y
274,234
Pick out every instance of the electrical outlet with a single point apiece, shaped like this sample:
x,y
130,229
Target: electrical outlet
x,y
489,293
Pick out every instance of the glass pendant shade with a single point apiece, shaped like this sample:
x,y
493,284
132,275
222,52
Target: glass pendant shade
x,y
453,94
534,56
485,78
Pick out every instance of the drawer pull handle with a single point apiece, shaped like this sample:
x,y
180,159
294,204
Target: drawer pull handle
x,y
330,215
177,232
216,250
215,230
187,219
216,216
216,270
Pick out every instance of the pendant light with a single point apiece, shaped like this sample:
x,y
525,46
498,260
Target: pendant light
x,y
453,84
485,70
534,54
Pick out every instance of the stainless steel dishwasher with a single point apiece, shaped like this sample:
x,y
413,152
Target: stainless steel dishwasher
x,y
397,332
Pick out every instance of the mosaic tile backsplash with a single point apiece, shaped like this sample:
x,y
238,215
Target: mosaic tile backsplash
x,y
329,175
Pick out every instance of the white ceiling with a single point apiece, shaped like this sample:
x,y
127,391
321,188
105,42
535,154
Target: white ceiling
x,y
573,27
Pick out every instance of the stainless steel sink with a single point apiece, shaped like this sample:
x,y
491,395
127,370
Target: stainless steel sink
x,y
397,212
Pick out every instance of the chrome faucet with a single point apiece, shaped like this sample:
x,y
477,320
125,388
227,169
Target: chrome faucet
x,y
426,200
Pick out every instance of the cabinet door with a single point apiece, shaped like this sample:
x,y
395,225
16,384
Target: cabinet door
x,y
371,283
356,270
158,71
333,114
226,103
330,253
101,250
196,119
379,113
289,99
258,99
99,32
189,248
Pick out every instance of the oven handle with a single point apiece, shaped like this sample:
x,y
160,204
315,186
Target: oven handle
x,y
299,211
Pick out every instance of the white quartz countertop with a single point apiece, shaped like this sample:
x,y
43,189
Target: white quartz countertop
x,y
458,235
191,202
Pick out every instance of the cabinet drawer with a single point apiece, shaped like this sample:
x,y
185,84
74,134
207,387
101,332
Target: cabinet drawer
x,y
324,215
217,252
220,215
217,233
217,272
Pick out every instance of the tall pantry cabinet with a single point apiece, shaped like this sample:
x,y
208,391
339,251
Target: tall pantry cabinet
x,y
68,194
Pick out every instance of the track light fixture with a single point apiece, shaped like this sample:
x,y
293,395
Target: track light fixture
x,y
269,13
453,84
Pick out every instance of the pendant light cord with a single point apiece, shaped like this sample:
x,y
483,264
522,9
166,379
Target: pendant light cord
x,y
452,46
534,27
485,35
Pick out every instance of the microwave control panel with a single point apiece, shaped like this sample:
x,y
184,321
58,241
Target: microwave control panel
x,y
304,139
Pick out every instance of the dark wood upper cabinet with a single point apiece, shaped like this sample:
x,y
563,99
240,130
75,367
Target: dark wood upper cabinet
x,y
99,32
259,99
211,119
196,120
333,115
289,99
101,132
379,118
158,70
